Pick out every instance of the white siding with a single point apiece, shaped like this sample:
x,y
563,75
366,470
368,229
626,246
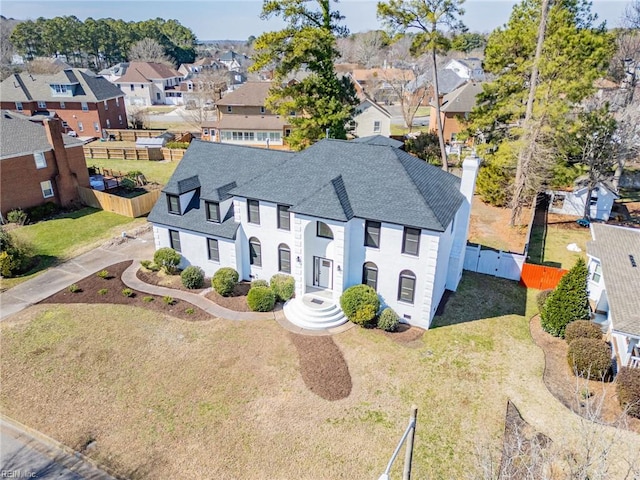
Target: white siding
x,y
366,116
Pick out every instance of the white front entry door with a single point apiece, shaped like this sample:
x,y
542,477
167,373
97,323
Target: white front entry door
x,y
322,271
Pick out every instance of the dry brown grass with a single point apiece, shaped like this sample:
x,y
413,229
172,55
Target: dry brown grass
x,y
489,226
165,398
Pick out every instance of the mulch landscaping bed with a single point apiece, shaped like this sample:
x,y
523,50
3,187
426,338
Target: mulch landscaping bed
x,y
161,279
322,366
563,384
406,335
237,301
90,285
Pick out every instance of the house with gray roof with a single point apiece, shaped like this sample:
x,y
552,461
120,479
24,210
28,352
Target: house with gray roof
x,y
337,214
86,103
614,287
455,108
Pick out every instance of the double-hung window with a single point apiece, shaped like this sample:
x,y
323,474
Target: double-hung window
x,y
284,258
597,273
372,234
407,286
174,238
173,204
212,249
47,189
255,252
411,241
213,212
284,218
41,161
253,209
85,107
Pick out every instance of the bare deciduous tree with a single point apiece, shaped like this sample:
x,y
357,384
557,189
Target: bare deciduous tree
x,y
207,87
368,48
149,50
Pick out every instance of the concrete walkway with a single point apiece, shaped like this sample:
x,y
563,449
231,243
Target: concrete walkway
x,y
139,248
27,453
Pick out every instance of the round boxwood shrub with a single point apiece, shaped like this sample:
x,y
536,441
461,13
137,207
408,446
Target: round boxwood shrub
x,y
582,329
360,304
259,283
224,281
589,357
261,299
541,298
388,320
192,277
628,389
167,258
283,286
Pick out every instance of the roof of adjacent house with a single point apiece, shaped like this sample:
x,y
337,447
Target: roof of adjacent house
x,y
379,140
26,87
332,179
20,136
448,81
248,122
250,94
145,72
382,74
618,249
461,100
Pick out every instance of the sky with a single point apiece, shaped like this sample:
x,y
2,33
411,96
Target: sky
x,y
239,19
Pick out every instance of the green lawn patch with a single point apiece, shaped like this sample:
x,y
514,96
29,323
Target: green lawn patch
x,y
158,172
548,245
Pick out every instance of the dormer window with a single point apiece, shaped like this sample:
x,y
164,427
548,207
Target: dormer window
x,y
61,90
213,212
173,204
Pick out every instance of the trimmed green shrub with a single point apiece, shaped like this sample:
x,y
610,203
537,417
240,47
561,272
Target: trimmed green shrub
x,y
40,212
17,216
388,320
180,145
589,357
74,288
261,299
360,304
14,256
168,300
190,311
224,281
582,329
542,297
103,274
628,389
102,291
148,299
127,292
167,258
283,286
568,302
259,283
192,277
146,264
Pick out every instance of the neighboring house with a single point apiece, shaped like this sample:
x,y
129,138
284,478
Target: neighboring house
x,y
149,83
233,61
383,84
316,215
467,68
614,283
573,202
370,119
114,72
448,81
244,119
38,164
85,102
454,108
202,65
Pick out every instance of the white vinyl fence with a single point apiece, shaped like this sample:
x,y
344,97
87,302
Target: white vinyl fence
x,y
493,262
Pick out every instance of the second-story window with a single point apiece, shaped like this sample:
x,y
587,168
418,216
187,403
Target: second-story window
x,y
324,231
213,211
411,241
376,126
283,217
173,203
229,109
42,104
41,162
253,209
85,107
372,234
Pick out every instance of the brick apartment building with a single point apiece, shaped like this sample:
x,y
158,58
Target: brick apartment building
x,y
86,103
38,164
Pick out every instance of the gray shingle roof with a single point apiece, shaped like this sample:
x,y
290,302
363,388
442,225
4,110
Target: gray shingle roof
x,y
24,87
332,179
614,246
21,136
379,140
461,100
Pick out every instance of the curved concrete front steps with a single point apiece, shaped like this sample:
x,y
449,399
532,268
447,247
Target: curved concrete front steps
x,y
314,312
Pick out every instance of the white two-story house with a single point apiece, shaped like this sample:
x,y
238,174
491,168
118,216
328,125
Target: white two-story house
x,y
334,215
614,287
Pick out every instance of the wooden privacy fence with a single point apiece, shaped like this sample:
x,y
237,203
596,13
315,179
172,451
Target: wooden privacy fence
x,y
540,276
173,154
128,207
123,153
133,135
493,262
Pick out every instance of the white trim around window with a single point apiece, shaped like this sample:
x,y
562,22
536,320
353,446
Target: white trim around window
x,y
47,189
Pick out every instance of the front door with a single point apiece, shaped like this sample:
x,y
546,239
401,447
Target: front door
x,y
322,269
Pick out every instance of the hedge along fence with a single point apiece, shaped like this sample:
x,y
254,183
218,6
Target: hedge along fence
x,y
128,207
123,153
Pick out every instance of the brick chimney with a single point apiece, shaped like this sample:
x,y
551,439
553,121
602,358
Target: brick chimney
x,y
66,182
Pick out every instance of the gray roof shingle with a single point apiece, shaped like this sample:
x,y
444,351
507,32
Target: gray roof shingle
x,y
614,247
379,140
22,136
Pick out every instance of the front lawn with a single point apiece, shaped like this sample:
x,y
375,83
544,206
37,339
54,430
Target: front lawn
x,y
68,235
158,172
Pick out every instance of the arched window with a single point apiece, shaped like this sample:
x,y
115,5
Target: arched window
x,y
255,252
284,258
406,286
370,275
324,230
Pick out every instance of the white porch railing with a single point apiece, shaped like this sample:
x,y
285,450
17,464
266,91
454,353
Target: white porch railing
x,y
634,362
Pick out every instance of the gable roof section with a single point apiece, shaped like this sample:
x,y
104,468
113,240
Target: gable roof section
x,y
379,140
461,100
146,72
22,137
25,87
614,247
252,94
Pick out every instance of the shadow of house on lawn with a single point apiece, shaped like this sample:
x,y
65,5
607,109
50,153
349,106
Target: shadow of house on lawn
x,y
478,297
